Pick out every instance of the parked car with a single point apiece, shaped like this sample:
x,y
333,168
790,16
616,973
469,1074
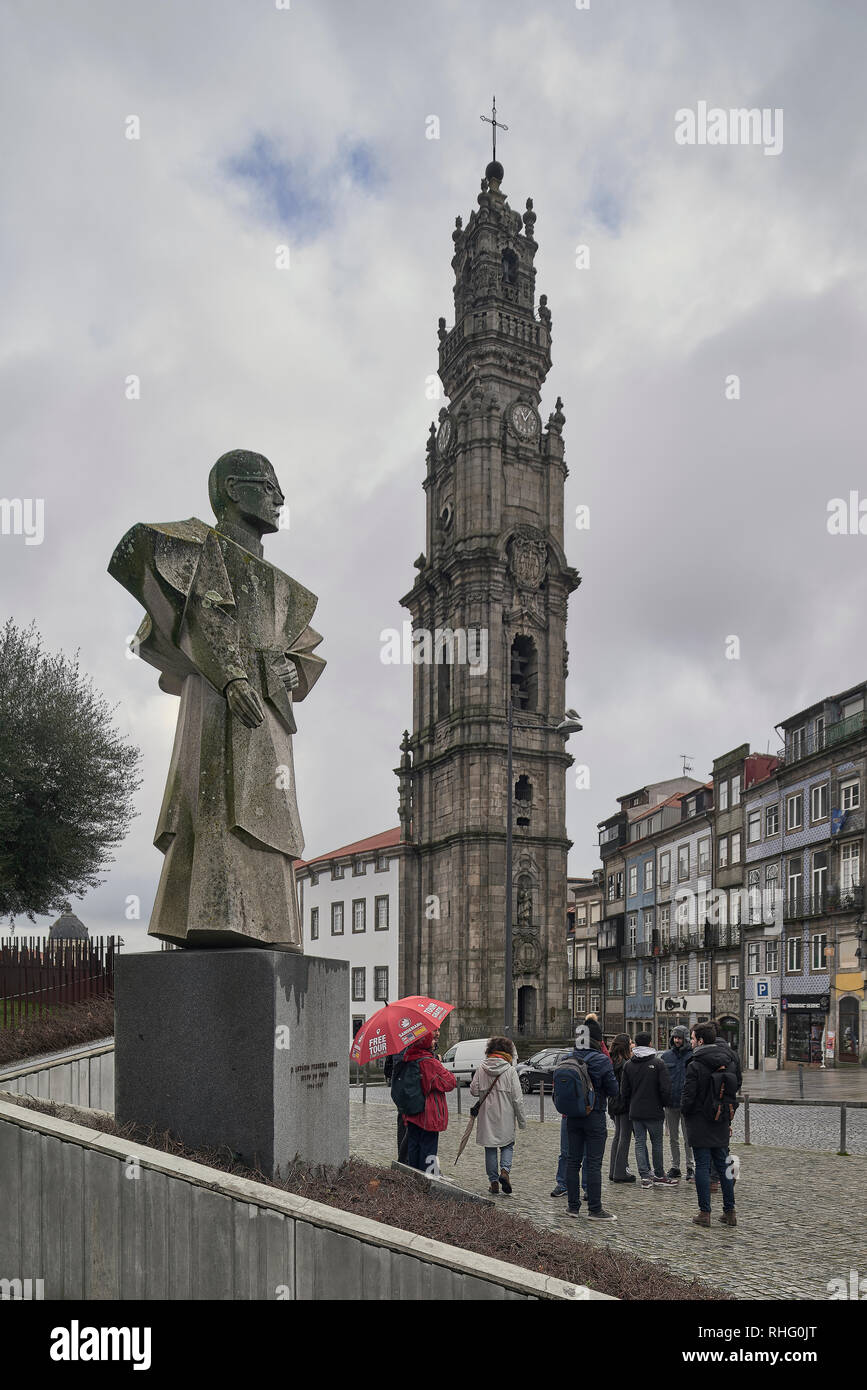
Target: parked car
x,y
465,1058
539,1070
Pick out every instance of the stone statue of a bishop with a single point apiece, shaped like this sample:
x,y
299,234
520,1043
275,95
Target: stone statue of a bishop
x,y
230,635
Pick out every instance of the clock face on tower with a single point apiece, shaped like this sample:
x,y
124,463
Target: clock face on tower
x,y
445,434
524,420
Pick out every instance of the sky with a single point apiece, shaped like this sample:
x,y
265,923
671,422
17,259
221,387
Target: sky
x,y
306,127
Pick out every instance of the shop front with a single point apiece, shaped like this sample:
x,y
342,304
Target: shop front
x,y
762,1035
806,1017
848,1030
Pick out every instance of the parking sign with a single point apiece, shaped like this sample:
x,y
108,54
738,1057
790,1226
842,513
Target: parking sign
x,y
763,989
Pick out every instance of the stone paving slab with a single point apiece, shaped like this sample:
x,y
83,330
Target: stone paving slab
x,y
801,1217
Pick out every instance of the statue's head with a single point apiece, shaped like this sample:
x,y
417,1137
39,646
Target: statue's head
x,y
243,485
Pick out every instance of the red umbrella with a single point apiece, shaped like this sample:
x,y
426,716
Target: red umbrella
x,y
395,1026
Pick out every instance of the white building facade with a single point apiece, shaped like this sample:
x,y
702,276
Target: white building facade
x,y
349,905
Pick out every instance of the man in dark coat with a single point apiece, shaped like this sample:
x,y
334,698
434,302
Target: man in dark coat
x,y
721,1042
677,1059
645,1087
586,1135
709,1137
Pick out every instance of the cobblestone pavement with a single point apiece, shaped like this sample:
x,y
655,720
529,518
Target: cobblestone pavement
x,y
807,1127
800,1218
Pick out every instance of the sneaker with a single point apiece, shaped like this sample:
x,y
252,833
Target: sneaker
x,y
494,1188
673,1173
690,1175
559,1192
664,1182
573,1212
647,1182
601,1215
507,1186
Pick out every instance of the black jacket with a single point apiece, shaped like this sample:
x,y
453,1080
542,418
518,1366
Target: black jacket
x,y
702,1132
616,1104
646,1087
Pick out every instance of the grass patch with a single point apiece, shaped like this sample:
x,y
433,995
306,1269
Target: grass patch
x,y
390,1197
65,1026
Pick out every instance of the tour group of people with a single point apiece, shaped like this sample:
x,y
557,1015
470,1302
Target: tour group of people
x,y
687,1092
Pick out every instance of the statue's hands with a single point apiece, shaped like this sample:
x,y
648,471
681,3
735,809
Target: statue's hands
x,y
245,703
288,673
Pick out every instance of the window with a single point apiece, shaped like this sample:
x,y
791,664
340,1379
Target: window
x,y
704,855
380,912
357,1022
314,879
358,868
690,807
618,980
735,907
703,976
772,820
754,827
722,976
380,982
850,866
665,869
819,802
611,888
736,790
595,1001
723,796
683,977
794,812
337,919
359,984
798,742
381,864
817,951
648,980
633,880
754,958
648,923
664,925
648,876
771,876
850,795
336,871
794,876
820,733
631,980
794,955
314,924
682,862
663,979
619,883
722,851
819,883
736,847
632,928
734,978
580,1001
772,957
359,915
610,977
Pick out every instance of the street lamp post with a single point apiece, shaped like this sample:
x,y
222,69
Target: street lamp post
x,y
569,724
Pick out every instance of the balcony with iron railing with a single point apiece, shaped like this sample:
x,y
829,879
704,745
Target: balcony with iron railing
x,y
798,904
725,934
691,939
804,743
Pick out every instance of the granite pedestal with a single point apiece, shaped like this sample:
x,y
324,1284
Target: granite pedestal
x,y
239,1048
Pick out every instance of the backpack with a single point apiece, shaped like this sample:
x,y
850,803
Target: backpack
x,y
720,1103
406,1088
574,1092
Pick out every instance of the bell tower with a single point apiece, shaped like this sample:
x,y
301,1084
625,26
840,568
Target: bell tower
x,y
488,610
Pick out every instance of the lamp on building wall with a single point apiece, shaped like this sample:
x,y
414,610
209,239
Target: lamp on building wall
x,y
569,724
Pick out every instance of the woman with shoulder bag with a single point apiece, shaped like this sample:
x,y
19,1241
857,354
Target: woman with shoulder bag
x,y
501,1104
621,1051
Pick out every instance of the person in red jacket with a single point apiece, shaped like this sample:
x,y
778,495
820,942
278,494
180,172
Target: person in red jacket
x,y
424,1129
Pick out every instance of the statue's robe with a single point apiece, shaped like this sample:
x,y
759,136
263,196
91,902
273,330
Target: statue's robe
x,y
229,825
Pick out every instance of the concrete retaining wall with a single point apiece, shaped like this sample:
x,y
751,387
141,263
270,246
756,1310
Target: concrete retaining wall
x,y
96,1218
83,1076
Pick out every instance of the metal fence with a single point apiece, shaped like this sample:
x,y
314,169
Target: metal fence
x,y
37,974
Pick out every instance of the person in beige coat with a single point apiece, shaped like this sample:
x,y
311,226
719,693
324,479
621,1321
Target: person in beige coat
x,y
501,1106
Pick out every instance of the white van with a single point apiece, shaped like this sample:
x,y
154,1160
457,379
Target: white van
x,y
464,1058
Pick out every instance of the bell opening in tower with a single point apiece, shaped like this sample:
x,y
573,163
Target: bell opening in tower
x,y
524,674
